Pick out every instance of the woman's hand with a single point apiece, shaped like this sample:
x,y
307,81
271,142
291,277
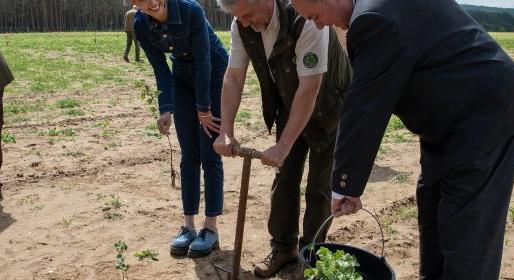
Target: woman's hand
x,y
164,123
208,122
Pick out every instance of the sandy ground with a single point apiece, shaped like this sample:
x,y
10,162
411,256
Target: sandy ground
x,y
53,221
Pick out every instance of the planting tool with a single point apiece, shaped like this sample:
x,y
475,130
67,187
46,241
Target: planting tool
x,y
248,154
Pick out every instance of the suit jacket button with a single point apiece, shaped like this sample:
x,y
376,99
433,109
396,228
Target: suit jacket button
x,y
171,48
344,177
165,36
342,184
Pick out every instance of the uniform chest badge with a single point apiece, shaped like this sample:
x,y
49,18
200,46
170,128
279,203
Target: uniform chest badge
x,y
310,60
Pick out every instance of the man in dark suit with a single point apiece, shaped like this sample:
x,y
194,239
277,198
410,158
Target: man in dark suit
x,y
450,83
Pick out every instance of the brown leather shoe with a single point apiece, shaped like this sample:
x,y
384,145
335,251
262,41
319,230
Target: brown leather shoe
x,y
274,262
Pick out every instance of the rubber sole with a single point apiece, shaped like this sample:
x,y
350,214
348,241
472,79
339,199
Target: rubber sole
x,y
178,251
203,253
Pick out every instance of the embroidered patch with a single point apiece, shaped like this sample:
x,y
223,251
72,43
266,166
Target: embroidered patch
x,y
310,60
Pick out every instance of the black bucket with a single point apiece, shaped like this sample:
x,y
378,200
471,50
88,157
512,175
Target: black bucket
x,y
371,266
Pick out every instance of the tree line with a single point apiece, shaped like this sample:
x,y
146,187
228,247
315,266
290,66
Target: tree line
x,y
79,15
103,15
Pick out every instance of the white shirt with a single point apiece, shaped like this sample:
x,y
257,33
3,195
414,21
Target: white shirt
x,y
311,48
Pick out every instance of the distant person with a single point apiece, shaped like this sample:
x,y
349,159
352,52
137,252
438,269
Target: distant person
x,y
131,36
6,78
191,91
448,80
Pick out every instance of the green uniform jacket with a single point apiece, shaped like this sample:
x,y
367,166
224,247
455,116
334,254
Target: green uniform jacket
x,y
278,96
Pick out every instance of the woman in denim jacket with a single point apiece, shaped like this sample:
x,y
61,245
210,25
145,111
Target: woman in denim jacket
x,y
191,91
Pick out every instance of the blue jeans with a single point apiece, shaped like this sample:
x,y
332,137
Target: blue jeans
x,y
197,148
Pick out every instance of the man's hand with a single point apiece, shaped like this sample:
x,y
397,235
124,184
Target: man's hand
x,y
274,156
164,123
345,206
225,144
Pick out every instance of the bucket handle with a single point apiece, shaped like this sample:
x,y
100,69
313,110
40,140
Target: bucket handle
x,y
332,216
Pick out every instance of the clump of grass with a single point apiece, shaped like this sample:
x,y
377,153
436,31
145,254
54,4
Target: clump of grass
x,y
66,222
113,204
111,145
8,137
243,116
401,177
75,112
67,103
147,254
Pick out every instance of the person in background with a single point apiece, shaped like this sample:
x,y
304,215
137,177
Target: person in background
x,y
6,78
190,91
131,36
452,84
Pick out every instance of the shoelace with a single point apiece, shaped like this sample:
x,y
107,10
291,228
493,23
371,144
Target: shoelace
x,y
269,258
203,233
183,230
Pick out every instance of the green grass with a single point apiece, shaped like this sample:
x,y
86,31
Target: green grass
x,y
8,137
75,112
55,132
67,103
243,116
506,40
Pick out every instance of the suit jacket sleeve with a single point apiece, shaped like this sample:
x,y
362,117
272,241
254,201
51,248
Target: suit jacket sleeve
x,y
382,66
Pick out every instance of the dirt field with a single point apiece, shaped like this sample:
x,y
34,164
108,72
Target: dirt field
x,y
62,170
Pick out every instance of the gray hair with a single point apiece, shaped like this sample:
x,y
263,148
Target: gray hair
x,y
228,5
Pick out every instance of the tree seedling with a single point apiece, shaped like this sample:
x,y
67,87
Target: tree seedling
x,y
147,254
151,98
337,266
121,247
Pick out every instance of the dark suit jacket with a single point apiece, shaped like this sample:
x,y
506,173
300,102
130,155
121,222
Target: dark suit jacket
x,y
433,66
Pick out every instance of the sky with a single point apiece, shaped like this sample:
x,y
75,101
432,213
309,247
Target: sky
x,y
489,3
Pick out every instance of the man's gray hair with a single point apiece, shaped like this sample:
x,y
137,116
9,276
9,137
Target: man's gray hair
x,y
228,5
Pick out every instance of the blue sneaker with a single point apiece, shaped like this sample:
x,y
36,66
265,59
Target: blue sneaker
x,y
180,244
204,244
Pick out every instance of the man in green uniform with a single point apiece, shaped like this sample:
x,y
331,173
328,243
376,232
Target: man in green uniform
x,y
6,77
303,72
131,36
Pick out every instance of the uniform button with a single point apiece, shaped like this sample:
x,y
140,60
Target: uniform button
x,y
342,184
282,94
288,70
165,36
320,114
184,53
252,42
305,134
171,48
318,150
344,177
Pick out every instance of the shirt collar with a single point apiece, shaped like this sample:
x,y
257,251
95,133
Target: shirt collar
x,y
274,23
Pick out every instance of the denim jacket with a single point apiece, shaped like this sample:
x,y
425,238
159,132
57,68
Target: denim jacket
x,y
189,38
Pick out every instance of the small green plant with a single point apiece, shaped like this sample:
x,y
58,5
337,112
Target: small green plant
x,y
243,116
113,204
73,154
8,137
75,112
67,103
401,177
337,266
121,247
151,98
66,222
146,255
111,145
